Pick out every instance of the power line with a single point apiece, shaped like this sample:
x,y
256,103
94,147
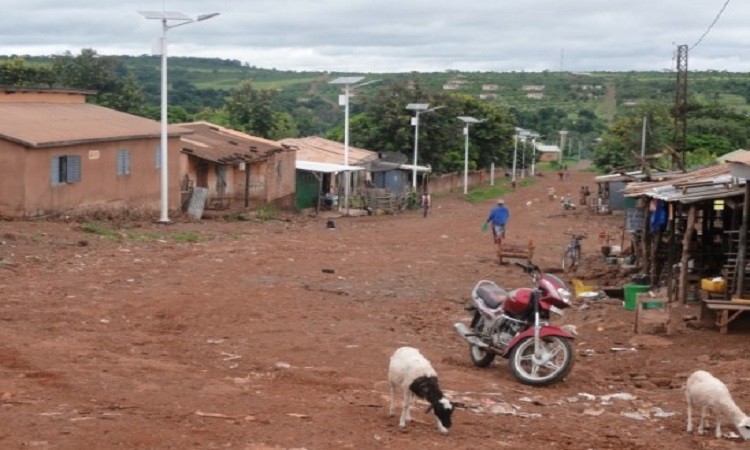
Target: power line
x,y
716,19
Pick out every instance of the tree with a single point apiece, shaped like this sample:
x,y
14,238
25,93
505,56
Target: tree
x,y
106,75
624,136
17,72
251,110
384,125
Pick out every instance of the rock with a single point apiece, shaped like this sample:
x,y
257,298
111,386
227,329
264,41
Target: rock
x,y
649,341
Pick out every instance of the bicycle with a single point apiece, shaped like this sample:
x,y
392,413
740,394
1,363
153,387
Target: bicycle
x,y
572,254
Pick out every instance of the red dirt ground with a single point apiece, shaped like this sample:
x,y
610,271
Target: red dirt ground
x,y
243,340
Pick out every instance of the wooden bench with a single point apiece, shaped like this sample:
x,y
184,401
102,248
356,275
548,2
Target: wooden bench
x,y
722,312
652,309
518,251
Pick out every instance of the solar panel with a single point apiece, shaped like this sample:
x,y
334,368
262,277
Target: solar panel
x,y
169,15
347,80
418,106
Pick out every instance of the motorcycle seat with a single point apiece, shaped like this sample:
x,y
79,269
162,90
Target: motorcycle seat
x,y
492,295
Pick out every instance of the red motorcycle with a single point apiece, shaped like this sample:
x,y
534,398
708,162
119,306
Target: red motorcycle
x,y
515,325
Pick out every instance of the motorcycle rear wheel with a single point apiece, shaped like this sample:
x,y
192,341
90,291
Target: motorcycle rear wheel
x,y
558,355
479,356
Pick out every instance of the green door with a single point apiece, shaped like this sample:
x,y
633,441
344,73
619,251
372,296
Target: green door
x,y
307,190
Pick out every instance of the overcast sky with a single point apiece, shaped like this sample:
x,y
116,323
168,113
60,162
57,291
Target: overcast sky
x,y
398,35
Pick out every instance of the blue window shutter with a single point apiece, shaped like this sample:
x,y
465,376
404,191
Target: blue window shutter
x,y
123,162
74,169
120,163
54,172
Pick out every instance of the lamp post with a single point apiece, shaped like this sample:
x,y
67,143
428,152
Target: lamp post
x,y
181,19
467,120
344,101
418,108
563,133
519,132
533,152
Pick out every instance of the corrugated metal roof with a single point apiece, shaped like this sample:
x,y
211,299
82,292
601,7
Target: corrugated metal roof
x,y
637,175
702,184
317,149
742,158
734,156
312,166
547,148
224,145
38,125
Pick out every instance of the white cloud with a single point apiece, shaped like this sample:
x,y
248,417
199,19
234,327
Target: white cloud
x,y
399,36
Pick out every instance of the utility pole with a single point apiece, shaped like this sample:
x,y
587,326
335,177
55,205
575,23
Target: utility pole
x,y
680,107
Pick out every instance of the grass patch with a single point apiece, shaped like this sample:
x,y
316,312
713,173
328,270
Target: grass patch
x,y
267,212
100,229
109,232
486,193
187,236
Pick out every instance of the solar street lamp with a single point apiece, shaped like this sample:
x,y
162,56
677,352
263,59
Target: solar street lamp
x,y
176,19
344,101
418,108
467,120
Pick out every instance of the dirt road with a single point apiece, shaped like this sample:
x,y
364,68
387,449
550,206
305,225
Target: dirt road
x,y
276,335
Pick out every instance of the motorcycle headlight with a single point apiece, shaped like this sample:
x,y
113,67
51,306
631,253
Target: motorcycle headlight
x,y
565,294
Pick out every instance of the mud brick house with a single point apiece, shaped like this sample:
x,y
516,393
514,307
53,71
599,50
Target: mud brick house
x,y
237,169
59,154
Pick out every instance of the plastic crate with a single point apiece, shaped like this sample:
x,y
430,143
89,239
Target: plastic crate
x,y
713,284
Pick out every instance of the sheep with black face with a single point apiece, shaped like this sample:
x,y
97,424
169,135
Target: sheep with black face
x,y
411,371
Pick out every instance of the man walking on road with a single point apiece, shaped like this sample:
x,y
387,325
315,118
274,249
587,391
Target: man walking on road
x,y
499,215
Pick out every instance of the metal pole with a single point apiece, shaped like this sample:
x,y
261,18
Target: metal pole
x,y
346,148
523,159
466,159
643,137
515,152
164,216
492,174
533,157
416,146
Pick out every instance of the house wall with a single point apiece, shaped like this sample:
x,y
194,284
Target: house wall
x,y
549,156
100,186
12,180
281,178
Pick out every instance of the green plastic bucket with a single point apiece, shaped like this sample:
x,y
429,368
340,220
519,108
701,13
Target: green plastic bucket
x,y
630,292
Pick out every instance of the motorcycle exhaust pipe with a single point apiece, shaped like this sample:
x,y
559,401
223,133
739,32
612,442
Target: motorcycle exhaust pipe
x,y
468,335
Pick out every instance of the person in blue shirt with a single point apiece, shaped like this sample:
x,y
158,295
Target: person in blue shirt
x,y
499,216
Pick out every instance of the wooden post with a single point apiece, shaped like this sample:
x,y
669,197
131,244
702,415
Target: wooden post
x,y
689,230
740,272
645,239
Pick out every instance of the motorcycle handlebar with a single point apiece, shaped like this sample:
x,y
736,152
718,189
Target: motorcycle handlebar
x,y
531,268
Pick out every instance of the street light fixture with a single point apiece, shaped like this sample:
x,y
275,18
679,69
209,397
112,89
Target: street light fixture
x,y
467,120
344,101
178,19
418,108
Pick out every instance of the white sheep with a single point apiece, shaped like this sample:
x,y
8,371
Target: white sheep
x,y
410,370
706,391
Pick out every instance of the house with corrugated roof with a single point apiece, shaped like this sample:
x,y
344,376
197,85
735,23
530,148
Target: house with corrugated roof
x,y
59,154
321,169
235,168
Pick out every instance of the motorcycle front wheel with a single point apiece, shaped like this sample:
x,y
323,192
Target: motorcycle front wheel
x,y
554,363
479,356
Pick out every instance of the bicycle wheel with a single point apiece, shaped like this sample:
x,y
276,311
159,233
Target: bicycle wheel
x,y
569,260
